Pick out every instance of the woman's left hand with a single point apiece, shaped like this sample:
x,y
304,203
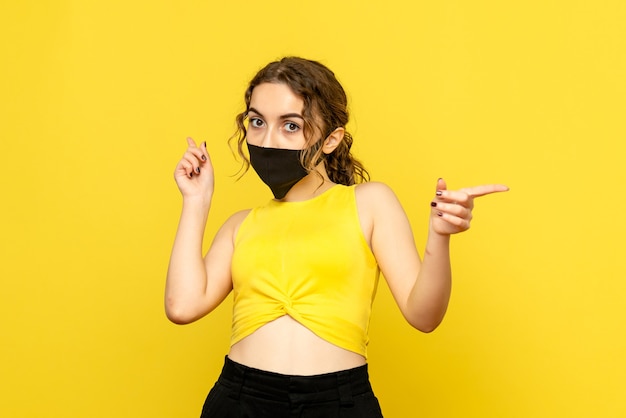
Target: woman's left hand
x,y
452,209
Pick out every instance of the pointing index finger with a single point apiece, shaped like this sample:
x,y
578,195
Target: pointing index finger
x,y
485,189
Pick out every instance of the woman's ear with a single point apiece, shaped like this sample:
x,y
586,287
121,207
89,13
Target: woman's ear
x,y
333,140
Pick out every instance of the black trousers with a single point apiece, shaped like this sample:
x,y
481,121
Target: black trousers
x,y
244,392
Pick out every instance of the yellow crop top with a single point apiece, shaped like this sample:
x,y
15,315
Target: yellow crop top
x,y
309,260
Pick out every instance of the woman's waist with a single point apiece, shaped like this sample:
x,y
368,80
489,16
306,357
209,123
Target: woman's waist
x,y
286,346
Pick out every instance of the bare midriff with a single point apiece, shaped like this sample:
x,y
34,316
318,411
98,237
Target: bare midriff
x,y
285,346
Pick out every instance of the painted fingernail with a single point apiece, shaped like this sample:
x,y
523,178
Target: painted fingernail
x,y
198,170
439,214
439,193
204,143
191,174
203,158
433,204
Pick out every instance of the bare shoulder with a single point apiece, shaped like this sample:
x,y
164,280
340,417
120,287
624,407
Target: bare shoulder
x,y
377,205
238,217
234,221
373,190
228,231
375,195
382,217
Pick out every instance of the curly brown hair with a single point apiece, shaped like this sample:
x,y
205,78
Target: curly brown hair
x,y
325,109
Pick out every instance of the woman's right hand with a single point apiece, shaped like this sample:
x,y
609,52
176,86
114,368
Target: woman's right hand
x,y
194,172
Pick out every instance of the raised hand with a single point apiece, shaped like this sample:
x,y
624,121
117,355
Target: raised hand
x,y
194,172
452,209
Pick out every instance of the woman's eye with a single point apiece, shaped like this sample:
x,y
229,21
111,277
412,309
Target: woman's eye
x,y
256,122
291,127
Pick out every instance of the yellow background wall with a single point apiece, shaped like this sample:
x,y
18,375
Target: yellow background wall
x,y
98,97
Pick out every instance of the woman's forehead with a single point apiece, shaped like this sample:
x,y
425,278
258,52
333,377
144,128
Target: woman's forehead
x,y
275,97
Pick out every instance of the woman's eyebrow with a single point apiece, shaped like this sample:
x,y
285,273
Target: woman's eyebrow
x,y
292,115
285,116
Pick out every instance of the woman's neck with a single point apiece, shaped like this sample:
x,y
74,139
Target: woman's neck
x,y
312,185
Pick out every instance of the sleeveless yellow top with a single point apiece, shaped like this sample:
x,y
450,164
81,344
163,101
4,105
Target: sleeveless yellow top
x,y
308,260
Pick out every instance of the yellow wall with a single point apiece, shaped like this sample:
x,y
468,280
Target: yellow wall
x,y
97,98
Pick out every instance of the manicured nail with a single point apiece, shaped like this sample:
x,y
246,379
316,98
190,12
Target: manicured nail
x,y
439,193
191,174
198,170
439,214
204,143
433,204
203,157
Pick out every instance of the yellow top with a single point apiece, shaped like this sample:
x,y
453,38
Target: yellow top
x,y
308,260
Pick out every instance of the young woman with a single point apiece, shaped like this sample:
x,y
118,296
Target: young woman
x,y
304,267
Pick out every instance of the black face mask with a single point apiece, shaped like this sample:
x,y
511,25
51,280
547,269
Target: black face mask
x,y
280,169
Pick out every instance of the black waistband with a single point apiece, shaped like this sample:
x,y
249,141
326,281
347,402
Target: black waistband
x,y
342,385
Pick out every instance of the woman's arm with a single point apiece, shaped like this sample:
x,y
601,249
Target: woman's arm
x,y
195,286
421,289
